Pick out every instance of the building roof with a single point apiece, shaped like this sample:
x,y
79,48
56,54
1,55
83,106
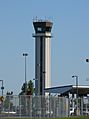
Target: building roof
x,y
65,90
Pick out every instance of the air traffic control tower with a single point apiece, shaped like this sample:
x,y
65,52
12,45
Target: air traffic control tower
x,y
42,55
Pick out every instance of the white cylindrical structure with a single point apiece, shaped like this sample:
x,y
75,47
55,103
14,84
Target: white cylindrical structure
x,y
42,56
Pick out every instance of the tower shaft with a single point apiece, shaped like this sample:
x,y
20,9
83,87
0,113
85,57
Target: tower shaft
x,y
42,56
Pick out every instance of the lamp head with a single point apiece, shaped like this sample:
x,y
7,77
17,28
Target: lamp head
x,y
73,76
25,54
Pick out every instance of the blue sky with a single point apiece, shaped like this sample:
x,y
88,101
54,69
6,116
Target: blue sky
x,y
69,45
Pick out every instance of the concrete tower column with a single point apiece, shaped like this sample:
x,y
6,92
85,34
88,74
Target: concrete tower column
x,y
42,55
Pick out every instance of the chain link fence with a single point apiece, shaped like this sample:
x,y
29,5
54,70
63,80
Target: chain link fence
x,y
42,106
34,106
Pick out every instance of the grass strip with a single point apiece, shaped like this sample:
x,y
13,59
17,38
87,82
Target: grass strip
x,y
82,117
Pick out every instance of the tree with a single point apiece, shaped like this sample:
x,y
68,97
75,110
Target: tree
x,y
24,87
8,105
28,88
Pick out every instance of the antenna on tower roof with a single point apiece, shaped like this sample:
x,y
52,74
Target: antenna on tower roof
x,y
35,19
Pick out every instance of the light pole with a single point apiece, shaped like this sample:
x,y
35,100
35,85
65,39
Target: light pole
x,y
2,88
75,76
25,55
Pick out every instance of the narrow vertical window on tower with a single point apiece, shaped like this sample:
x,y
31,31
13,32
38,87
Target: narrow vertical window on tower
x,y
41,62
